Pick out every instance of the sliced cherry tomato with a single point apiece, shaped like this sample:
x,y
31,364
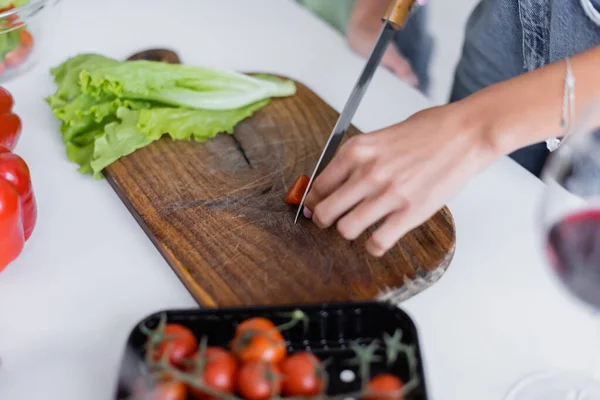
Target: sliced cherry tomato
x,y
16,57
384,387
259,381
169,390
179,341
26,38
296,192
2,68
12,18
220,373
258,339
302,375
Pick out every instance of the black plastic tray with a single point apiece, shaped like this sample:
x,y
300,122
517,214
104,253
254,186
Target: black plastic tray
x,y
332,328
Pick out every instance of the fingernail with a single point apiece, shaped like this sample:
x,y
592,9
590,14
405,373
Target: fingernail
x,y
307,213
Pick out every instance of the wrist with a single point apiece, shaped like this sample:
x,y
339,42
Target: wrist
x,y
483,129
498,121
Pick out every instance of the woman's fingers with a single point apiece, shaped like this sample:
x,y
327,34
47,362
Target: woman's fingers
x,y
355,152
400,66
329,210
396,225
390,232
369,212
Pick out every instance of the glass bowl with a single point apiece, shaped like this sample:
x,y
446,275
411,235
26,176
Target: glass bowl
x,y
22,27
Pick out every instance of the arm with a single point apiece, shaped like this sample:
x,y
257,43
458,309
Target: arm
x,y
405,173
528,109
363,28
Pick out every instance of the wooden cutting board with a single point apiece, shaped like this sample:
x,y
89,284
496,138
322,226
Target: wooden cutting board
x,y
215,211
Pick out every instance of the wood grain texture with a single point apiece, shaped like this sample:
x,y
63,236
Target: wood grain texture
x,y
215,211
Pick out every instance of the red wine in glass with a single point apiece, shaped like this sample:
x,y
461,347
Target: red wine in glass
x,y
569,226
574,246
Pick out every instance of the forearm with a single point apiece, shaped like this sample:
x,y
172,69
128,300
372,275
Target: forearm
x,y
528,109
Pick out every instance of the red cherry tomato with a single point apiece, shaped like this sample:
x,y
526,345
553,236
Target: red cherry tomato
x,y
220,373
296,192
17,56
179,341
258,339
255,324
302,375
169,390
259,381
26,38
384,387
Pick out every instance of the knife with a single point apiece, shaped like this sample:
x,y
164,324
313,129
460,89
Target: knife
x,y
393,20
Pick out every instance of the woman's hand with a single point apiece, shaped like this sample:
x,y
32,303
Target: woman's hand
x,y
362,39
405,173
362,32
402,174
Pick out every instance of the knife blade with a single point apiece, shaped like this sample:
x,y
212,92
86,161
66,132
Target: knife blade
x,y
395,18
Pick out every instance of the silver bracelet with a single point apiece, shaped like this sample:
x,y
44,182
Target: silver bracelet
x,y
568,109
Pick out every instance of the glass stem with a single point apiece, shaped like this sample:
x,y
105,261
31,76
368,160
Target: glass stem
x,y
596,350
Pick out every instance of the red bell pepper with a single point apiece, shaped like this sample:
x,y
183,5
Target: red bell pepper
x,y
10,123
18,209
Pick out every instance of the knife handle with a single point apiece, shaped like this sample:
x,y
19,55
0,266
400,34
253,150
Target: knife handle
x,y
398,11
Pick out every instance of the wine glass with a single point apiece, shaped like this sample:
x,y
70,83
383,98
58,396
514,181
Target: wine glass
x,y
569,223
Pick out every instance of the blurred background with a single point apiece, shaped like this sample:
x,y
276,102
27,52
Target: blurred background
x,y
446,24
447,20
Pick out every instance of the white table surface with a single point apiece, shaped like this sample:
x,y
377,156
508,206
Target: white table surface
x,y
89,273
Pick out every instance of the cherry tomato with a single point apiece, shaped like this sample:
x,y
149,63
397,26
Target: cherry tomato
x,y
302,375
258,339
26,38
255,324
179,341
263,347
296,192
259,380
170,390
220,373
385,387
16,57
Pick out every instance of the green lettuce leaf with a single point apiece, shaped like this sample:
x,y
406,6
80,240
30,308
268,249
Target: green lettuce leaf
x,y
181,85
136,129
119,139
108,108
185,124
81,150
12,3
86,112
66,76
